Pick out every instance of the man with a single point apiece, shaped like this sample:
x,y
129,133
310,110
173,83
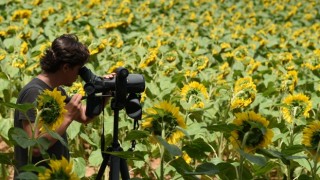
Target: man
x,y
60,66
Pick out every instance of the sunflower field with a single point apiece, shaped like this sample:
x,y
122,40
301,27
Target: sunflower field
x,y
231,87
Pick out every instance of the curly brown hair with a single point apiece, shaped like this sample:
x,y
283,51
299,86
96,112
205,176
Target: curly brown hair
x,y
65,49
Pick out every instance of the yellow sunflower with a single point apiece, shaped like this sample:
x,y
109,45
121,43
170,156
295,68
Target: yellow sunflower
x,y
311,137
254,127
202,62
311,61
59,169
151,58
224,70
117,65
241,53
244,93
290,81
190,73
165,118
171,56
76,88
295,106
51,105
186,157
194,92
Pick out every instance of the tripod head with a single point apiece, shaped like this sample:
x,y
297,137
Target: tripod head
x,y
123,84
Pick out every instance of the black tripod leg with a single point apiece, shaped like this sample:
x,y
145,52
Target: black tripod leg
x,y
118,165
124,169
114,168
103,165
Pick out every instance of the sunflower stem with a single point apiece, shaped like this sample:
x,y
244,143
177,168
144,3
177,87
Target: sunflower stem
x,y
161,161
33,130
291,142
162,151
291,133
242,159
221,146
39,162
186,117
289,170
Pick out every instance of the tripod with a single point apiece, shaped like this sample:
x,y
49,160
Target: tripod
x,y
120,101
116,164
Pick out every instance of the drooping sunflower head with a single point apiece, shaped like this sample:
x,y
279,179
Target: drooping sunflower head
x,y
311,137
59,169
312,60
244,93
241,53
114,67
195,93
190,73
253,132
253,66
296,106
289,81
76,88
151,58
51,106
202,62
171,56
163,120
224,70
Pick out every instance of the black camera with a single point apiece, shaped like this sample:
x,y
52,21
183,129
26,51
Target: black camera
x,y
124,89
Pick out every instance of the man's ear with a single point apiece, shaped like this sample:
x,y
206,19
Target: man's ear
x,y
65,67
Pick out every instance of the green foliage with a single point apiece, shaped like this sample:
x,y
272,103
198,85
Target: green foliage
x,y
168,42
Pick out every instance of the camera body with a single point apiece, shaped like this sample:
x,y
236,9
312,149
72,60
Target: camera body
x,y
119,87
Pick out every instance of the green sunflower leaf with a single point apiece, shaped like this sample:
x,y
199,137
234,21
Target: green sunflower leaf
x,y
295,157
182,168
223,127
172,149
141,51
226,171
32,167
197,148
259,160
27,175
294,149
305,177
184,131
206,169
269,153
74,129
56,136
95,158
43,144
87,139
265,169
21,107
5,125
6,158
80,166
132,155
136,134
21,138
257,125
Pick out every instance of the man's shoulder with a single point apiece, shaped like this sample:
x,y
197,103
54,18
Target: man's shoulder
x,y
35,83
32,87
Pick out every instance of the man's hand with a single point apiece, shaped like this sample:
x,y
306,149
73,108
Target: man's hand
x,y
74,108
